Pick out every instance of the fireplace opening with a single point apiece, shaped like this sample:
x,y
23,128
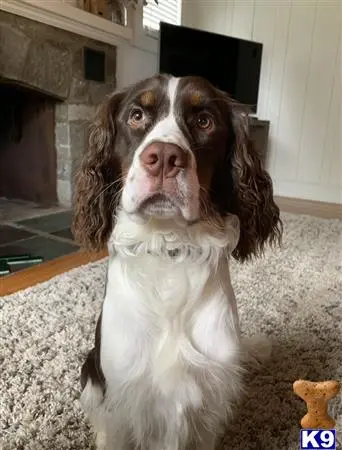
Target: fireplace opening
x,y
27,145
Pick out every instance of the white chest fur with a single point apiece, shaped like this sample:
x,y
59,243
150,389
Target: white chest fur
x,y
156,313
170,334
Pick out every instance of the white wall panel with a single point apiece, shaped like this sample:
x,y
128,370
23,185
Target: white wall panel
x,y
319,93
208,15
243,17
296,75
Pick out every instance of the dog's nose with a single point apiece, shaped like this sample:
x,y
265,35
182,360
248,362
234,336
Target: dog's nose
x,y
165,158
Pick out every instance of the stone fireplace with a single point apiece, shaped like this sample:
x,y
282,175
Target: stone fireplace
x,y
50,83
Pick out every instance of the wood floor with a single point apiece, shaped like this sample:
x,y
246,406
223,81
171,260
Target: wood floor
x,y
45,271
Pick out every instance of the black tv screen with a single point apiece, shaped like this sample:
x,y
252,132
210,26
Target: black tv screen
x,y
231,64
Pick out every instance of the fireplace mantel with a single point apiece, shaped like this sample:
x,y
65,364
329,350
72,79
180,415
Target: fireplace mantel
x,y
69,18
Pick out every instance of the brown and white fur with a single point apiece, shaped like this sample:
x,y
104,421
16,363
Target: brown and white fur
x,y
173,186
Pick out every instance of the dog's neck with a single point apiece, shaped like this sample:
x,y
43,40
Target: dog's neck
x,y
170,240
172,269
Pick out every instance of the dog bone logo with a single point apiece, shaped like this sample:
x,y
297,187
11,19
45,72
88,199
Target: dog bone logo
x,y
317,395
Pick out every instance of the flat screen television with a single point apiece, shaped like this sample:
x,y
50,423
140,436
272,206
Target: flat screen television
x,y
231,64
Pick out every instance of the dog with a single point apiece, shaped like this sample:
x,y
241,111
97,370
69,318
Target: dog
x,y
173,187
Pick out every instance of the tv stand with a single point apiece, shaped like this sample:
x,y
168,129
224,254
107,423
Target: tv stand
x,y
259,132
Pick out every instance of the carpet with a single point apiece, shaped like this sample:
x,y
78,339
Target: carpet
x,y
292,294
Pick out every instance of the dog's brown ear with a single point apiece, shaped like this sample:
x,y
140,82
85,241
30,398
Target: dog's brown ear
x,y
98,180
252,199
243,187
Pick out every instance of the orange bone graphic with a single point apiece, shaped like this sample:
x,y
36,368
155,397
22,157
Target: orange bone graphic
x,y
316,395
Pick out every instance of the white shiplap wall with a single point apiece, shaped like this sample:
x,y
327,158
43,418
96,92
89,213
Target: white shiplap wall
x,y
300,86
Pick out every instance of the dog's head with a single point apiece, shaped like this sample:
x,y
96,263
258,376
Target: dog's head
x,y
173,148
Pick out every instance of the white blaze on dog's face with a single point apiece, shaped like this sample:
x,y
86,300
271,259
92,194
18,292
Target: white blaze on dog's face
x,y
162,179
170,124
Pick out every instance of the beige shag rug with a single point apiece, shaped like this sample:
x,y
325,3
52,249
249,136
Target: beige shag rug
x,y
292,294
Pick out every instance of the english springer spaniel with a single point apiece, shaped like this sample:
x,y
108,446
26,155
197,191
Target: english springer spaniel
x,y
174,188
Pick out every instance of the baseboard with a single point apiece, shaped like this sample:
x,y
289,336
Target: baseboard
x,y
310,207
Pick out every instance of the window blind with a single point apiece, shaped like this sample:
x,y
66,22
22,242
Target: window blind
x,y
166,11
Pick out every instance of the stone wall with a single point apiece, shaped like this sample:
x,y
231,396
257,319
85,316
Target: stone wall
x,y
51,61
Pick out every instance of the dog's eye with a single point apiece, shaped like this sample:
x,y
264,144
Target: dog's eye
x,y
204,122
136,116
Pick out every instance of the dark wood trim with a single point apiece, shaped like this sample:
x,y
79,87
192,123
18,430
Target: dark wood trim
x,y
43,272
310,207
